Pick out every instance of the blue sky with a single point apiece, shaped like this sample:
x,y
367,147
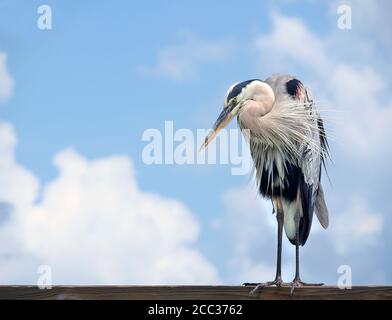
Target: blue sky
x,y
108,71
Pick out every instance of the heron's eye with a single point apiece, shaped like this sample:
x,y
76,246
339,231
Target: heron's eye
x,y
231,102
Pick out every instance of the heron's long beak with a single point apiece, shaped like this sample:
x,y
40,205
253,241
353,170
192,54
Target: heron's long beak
x,y
223,120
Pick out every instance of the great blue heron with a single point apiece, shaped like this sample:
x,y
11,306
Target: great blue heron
x,y
288,146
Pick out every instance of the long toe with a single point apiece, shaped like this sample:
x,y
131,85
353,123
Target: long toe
x,y
295,284
306,284
298,283
260,286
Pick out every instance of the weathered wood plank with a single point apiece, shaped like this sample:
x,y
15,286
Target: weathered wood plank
x,y
192,292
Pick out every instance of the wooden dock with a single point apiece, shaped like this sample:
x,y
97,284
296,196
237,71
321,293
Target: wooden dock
x,y
193,293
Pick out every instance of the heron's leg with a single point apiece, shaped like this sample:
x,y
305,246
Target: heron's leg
x,y
280,220
297,282
278,277
297,279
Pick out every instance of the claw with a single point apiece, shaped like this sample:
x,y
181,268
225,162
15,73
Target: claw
x,y
294,285
277,282
298,283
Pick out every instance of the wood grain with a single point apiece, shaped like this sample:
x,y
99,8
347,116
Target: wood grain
x,y
193,293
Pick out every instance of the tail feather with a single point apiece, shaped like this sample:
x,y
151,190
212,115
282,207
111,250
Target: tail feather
x,y
321,208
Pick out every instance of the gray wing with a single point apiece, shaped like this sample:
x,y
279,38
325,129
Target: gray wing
x,y
312,163
321,206
312,168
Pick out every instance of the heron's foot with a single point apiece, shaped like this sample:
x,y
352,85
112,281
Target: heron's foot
x,y
278,282
299,283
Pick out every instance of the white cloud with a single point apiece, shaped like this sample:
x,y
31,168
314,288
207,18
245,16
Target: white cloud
x,y
94,224
6,81
181,61
17,185
364,128
248,217
18,189
356,227
244,270
301,46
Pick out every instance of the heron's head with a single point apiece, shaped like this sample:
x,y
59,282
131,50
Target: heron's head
x,y
253,96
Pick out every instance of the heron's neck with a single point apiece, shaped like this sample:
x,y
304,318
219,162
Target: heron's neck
x,y
254,116
270,129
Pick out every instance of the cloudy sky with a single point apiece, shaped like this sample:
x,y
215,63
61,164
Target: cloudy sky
x,y
75,193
